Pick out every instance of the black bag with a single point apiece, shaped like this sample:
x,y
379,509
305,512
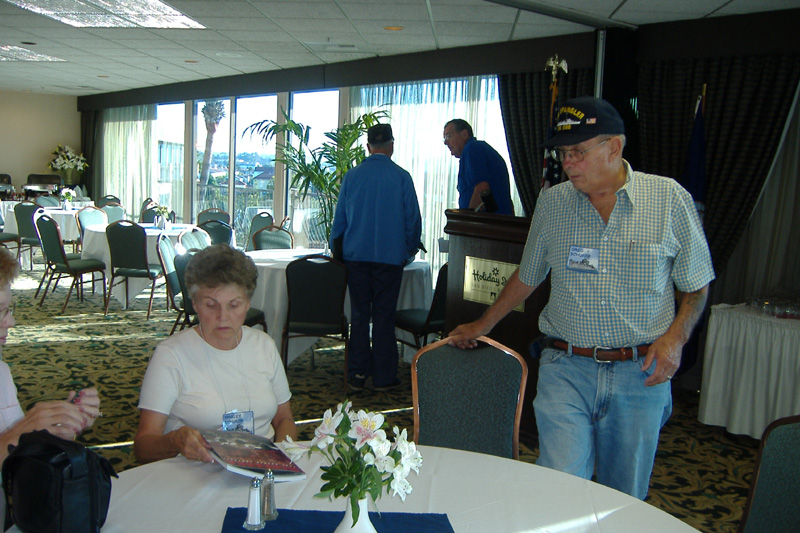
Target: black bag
x,y
56,485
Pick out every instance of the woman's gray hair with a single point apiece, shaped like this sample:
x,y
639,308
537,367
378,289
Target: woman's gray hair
x,y
220,265
9,267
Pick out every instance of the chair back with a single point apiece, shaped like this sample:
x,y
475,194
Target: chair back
x,y
272,238
45,200
435,320
181,261
316,286
147,203
213,213
107,199
127,243
219,231
24,213
469,399
774,500
166,256
114,211
261,220
88,216
44,179
148,216
193,239
50,237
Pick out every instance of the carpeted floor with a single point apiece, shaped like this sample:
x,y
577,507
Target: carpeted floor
x,y
701,474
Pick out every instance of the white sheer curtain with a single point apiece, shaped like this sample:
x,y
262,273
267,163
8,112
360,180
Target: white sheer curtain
x,y
418,112
130,155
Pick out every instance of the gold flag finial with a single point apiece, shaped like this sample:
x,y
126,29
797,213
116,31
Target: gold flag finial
x,y
553,64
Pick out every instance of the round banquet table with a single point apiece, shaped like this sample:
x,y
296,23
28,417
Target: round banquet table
x,y
271,296
477,492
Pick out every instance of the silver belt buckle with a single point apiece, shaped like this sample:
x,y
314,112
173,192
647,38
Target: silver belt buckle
x,y
594,353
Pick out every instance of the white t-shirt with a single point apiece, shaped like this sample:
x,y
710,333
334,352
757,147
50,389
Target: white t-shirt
x,y
195,384
10,411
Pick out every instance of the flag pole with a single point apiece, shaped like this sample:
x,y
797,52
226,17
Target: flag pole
x,y
551,169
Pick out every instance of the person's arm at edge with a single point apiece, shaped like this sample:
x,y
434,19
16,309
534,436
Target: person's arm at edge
x,y
514,293
283,423
666,350
62,419
475,199
152,444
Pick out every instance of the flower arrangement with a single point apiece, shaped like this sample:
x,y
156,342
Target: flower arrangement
x,y
162,210
67,157
361,460
66,194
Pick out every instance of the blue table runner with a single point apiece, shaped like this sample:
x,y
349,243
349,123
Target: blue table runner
x,y
291,520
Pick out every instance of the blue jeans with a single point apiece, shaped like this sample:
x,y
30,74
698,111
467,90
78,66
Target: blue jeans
x,y
374,290
599,416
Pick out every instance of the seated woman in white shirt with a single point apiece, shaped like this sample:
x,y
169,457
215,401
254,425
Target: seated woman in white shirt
x,y
216,375
63,418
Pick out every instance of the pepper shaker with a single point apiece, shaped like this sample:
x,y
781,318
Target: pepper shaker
x,y
269,510
254,520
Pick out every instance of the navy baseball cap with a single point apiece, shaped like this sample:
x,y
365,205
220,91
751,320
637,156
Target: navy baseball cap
x,y
379,134
584,118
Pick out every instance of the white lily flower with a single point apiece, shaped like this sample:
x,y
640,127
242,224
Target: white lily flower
x,y
365,427
400,487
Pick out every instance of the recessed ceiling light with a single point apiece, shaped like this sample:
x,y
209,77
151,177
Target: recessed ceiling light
x,y
102,76
191,61
393,28
17,53
110,13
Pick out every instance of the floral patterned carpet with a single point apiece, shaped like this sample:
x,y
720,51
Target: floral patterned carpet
x,y
701,474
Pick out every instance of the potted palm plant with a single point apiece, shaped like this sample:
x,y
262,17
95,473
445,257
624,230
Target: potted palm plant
x,y
318,171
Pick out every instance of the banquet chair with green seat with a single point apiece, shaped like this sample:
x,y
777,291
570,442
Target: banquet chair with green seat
x,y
8,237
108,199
260,220
220,232
59,263
773,503
127,242
88,216
272,238
46,200
453,388
193,239
24,212
148,215
316,286
254,317
114,211
213,213
421,323
166,257
146,204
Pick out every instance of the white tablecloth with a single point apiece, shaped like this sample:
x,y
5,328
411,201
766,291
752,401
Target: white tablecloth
x,y
95,246
479,493
7,209
271,297
65,220
751,370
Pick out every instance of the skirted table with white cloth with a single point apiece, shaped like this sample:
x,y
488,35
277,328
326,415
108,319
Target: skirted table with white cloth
x,y
95,246
477,492
63,217
271,295
751,370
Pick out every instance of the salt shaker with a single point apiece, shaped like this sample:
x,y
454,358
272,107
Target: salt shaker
x,y
269,510
254,520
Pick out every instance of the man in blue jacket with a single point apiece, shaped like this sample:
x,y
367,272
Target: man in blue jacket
x,y
480,169
377,217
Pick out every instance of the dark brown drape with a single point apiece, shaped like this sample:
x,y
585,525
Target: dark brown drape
x,y
89,146
525,105
747,105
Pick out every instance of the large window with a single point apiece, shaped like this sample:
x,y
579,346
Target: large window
x,y
169,132
212,152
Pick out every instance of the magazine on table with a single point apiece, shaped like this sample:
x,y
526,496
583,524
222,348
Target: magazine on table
x,y
251,455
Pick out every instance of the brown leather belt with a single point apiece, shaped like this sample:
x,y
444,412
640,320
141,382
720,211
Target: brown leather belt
x,y
602,354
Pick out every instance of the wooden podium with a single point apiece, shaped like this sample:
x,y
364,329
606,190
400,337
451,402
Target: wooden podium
x,y
482,244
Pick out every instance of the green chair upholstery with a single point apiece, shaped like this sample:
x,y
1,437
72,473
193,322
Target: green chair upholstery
x,y
255,317
146,204
7,237
272,238
213,213
148,216
423,322
166,257
28,237
220,232
59,264
193,239
114,211
127,242
469,399
108,199
261,220
88,216
316,286
774,500
45,200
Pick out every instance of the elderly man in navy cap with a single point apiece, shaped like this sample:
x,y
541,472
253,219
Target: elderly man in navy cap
x,y
378,220
615,242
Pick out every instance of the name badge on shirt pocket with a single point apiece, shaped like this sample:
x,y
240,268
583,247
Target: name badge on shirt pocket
x,y
239,421
583,259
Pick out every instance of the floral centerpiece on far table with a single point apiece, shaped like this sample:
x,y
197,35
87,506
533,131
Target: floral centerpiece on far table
x,y
66,194
69,164
361,459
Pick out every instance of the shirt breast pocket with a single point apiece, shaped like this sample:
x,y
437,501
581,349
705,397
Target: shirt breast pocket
x,y
647,266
